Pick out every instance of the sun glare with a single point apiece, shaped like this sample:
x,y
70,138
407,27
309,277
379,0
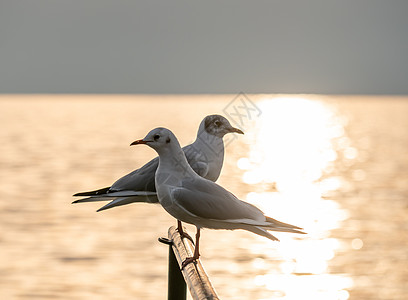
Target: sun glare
x,y
291,158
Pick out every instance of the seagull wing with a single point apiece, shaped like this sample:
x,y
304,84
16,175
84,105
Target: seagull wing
x,y
127,200
206,199
141,179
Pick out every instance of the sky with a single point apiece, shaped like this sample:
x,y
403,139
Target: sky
x,y
212,46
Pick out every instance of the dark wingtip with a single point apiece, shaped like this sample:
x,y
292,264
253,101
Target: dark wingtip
x,y
299,231
101,209
92,193
81,194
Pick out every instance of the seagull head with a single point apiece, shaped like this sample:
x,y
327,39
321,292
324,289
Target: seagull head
x,y
218,125
158,138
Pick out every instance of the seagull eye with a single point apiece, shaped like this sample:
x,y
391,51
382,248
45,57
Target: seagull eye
x,y
156,137
217,123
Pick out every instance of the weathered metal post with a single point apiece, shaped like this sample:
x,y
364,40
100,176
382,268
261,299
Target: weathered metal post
x,y
177,288
194,274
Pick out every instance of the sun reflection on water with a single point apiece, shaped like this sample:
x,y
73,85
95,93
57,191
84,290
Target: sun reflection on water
x,y
291,160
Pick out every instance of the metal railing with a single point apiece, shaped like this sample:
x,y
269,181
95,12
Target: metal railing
x,y
192,276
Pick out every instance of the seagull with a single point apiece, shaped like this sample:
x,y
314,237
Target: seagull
x,y
195,200
205,155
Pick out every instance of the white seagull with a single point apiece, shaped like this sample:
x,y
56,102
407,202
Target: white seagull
x,y
205,155
199,201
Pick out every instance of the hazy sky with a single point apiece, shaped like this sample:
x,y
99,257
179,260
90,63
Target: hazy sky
x,y
100,46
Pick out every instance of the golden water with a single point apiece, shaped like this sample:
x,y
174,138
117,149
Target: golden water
x,y
337,166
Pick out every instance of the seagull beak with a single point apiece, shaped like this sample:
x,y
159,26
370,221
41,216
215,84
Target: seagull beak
x,y
138,142
233,129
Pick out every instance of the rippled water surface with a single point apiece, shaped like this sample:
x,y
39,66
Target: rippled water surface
x,y
337,166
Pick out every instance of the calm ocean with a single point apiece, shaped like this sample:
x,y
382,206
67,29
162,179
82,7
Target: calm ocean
x,y
335,165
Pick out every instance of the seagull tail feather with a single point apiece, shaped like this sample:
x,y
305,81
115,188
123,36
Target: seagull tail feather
x,y
283,229
277,223
262,232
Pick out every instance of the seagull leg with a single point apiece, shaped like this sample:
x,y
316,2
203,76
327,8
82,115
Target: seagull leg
x,y
182,233
196,254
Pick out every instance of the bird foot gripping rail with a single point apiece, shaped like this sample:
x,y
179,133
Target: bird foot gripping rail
x,y
192,275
